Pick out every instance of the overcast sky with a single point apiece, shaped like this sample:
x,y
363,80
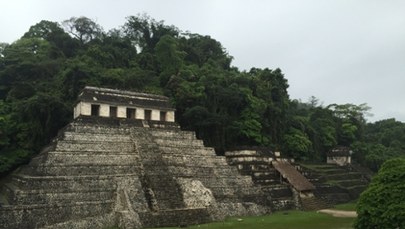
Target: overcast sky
x,y
340,51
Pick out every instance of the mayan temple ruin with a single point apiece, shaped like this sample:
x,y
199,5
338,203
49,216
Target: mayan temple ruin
x,y
124,161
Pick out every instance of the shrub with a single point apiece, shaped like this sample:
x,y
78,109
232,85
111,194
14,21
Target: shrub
x,y
382,205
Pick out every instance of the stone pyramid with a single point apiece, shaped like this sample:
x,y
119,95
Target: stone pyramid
x,y
102,171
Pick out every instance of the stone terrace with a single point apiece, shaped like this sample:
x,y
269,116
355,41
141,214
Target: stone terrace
x,y
99,173
259,166
335,184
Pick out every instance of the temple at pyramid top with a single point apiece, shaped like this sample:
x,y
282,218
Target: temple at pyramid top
x,y
104,102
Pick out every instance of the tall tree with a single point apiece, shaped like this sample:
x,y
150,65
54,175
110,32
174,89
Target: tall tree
x,y
146,32
169,58
83,28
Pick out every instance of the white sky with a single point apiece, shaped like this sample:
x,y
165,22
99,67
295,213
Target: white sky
x,y
340,51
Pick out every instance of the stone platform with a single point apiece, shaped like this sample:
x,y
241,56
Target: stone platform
x,y
103,172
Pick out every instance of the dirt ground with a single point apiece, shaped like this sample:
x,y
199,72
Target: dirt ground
x,y
339,213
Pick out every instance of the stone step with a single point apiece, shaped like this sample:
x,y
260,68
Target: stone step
x,y
179,143
262,182
98,137
345,176
81,169
42,197
277,191
226,181
350,183
272,174
249,160
171,134
201,151
51,214
184,172
98,129
94,146
68,183
243,153
256,167
195,160
319,166
95,222
90,158
191,171
248,170
233,192
337,171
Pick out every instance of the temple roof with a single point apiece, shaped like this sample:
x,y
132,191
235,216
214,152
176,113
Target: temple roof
x,y
120,97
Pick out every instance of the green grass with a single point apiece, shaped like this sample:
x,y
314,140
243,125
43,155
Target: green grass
x,y
283,220
346,207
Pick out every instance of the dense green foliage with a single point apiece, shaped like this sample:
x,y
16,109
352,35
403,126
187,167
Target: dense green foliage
x,y
382,205
42,73
382,140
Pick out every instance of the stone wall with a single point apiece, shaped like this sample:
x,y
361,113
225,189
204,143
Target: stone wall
x,y
84,109
339,160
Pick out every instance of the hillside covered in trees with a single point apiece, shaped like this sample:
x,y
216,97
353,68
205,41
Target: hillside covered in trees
x,y
42,73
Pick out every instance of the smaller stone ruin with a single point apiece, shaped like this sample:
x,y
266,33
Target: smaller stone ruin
x,y
340,155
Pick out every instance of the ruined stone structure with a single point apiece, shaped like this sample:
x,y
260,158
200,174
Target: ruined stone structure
x,y
131,171
124,162
339,155
336,184
258,165
278,178
112,103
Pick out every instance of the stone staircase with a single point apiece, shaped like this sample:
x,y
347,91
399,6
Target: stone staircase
x,y
264,175
335,184
188,160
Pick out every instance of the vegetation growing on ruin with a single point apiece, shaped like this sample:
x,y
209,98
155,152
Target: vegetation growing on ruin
x,y
42,73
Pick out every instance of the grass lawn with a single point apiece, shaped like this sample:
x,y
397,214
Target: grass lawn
x,y
283,220
346,207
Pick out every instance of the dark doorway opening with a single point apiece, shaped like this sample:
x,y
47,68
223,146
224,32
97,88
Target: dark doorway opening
x,y
163,116
95,110
113,112
148,114
131,113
